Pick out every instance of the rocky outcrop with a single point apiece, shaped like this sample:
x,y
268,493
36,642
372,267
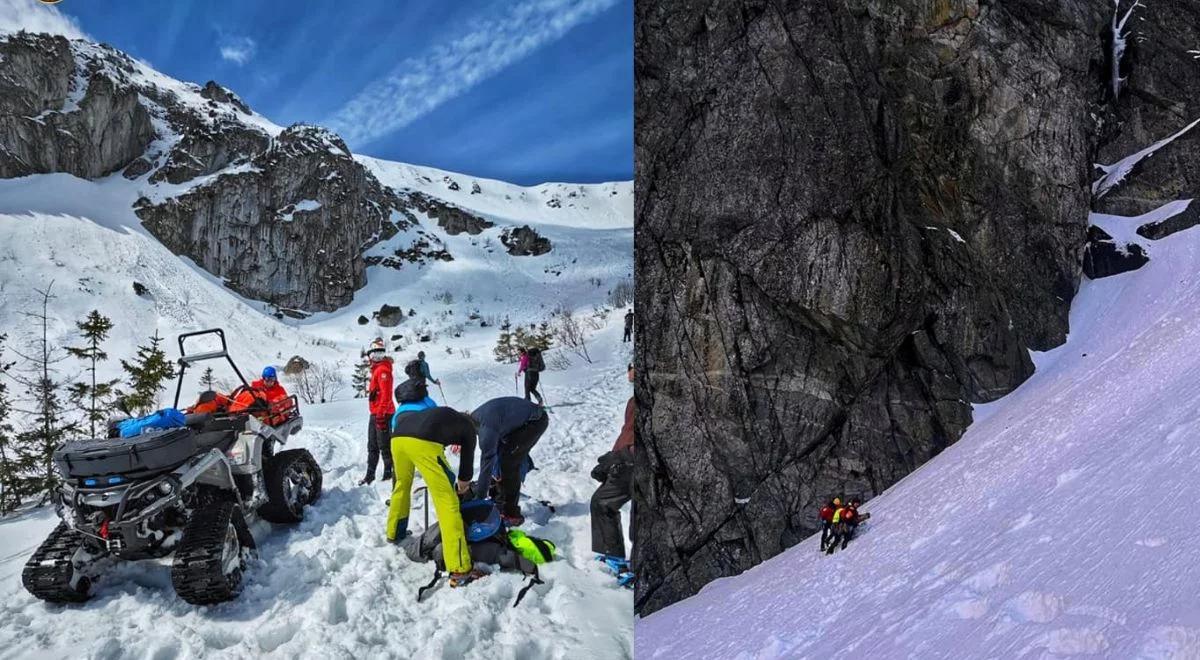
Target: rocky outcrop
x,y
452,219
1158,98
1188,218
389,316
523,241
1104,257
282,218
307,257
854,220
59,113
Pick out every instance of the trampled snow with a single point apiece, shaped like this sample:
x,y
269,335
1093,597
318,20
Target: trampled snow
x,y
1060,524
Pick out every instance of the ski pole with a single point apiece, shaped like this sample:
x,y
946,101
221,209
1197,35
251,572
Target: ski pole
x,y
443,394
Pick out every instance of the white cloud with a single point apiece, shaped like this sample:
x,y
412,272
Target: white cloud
x,y
33,16
420,84
238,50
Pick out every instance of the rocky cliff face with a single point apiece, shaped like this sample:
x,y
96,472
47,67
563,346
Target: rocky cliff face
x,y
855,219
283,215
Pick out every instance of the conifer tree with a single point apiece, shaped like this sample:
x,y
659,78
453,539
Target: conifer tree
x,y
12,467
146,375
92,396
49,427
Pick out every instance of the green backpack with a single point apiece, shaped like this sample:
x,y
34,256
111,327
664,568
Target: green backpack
x,y
538,551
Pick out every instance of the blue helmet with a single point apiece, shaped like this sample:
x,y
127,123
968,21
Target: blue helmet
x,y
269,372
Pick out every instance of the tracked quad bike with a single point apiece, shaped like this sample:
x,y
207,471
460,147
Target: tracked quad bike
x,y
185,490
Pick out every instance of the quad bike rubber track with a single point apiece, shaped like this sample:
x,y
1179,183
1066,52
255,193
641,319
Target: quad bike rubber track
x,y
293,481
49,572
199,572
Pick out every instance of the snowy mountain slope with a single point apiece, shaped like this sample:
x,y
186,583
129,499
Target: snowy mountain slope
x,y
598,206
1060,524
332,587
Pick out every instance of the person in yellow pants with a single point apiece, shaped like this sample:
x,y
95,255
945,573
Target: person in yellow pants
x,y
419,440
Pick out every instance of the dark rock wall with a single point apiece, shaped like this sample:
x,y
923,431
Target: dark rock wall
x,y
854,218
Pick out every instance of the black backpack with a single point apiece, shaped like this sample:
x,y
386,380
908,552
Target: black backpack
x,y
536,363
413,369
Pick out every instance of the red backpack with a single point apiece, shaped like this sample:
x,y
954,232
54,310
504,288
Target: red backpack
x,y
827,513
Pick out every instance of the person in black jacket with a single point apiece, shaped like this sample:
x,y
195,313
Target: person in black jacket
x,y
509,427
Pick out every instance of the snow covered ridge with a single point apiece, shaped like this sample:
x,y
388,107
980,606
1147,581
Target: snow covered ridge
x,y
228,189
1035,535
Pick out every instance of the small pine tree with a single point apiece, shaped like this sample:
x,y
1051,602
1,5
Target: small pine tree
x,y
147,373
92,397
207,380
12,468
362,377
508,344
49,427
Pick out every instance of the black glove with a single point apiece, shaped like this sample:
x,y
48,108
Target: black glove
x,y
603,466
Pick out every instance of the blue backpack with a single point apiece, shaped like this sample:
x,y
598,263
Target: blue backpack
x,y
167,418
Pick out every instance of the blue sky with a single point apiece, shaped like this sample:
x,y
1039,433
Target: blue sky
x,y
520,90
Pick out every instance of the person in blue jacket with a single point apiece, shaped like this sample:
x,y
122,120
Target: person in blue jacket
x,y
509,427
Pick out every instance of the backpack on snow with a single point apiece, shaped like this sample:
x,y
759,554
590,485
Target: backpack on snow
x,y
536,363
488,541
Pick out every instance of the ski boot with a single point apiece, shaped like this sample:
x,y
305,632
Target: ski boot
x,y
388,475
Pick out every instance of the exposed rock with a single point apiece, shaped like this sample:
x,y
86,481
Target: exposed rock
x,y
389,316
397,337
854,220
231,227
362,320
1103,257
58,114
475,188
1158,99
524,242
214,92
1186,220
295,365
450,218
138,168
140,289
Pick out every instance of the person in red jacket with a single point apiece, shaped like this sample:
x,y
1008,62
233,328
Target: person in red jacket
x,y
266,398
827,521
382,406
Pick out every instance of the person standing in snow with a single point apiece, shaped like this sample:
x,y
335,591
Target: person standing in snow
x,y
509,427
532,365
628,326
614,471
827,521
381,405
419,439
425,369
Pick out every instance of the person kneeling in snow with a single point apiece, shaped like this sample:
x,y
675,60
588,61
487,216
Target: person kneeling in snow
x,y
509,427
418,441
614,471
382,407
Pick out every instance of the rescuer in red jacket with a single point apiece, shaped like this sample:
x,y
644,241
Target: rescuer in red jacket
x,y
382,405
827,520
